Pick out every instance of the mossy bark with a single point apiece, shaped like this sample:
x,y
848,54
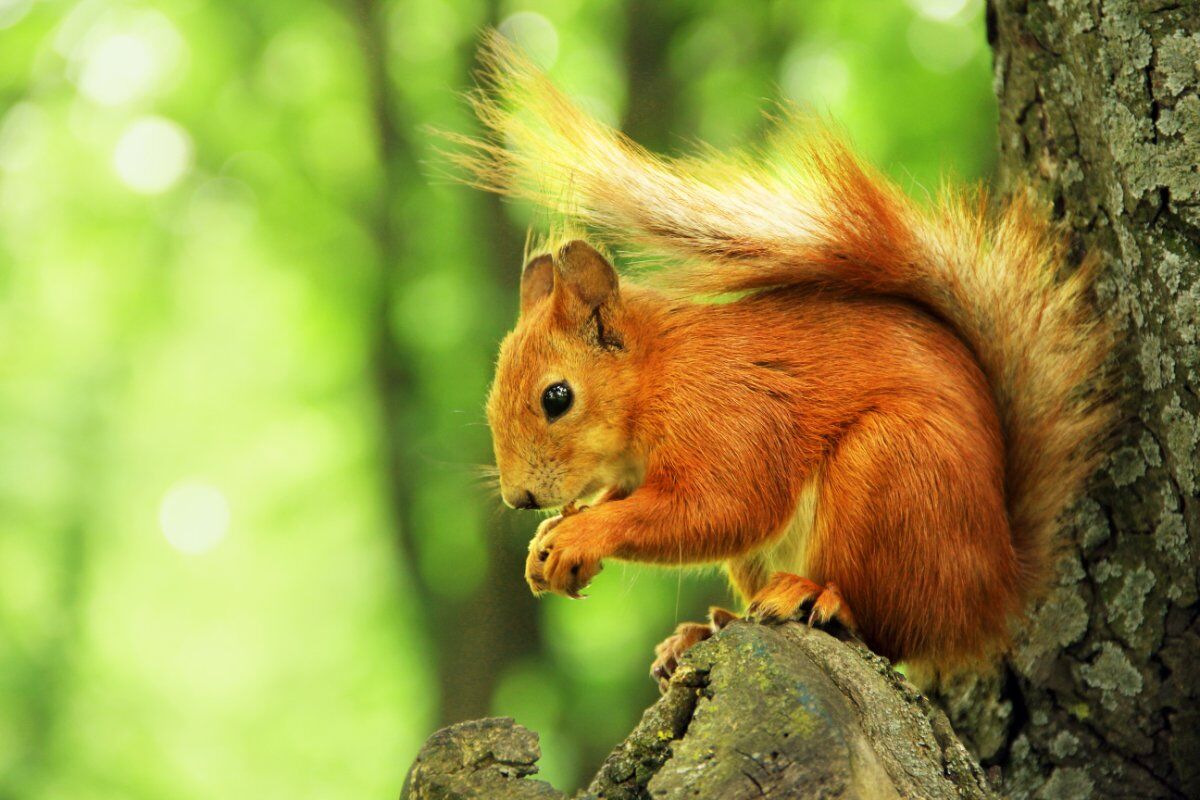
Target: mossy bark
x,y
756,711
1100,114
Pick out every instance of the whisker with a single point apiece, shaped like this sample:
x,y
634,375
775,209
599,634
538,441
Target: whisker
x,y
491,484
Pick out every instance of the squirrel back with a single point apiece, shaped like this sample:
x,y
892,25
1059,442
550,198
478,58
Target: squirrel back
x,y
807,213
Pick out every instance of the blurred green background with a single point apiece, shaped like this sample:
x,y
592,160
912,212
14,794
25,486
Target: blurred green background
x,y
245,335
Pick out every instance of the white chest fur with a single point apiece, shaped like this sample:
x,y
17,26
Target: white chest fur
x,y
789,550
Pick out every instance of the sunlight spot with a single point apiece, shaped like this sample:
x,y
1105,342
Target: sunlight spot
x,y
152,155
941,47
123,58
941,10
534,34
121,68
11,11
194,517
814,75
22,131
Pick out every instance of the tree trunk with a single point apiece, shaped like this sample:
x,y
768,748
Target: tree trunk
x,y
477,636
1099,113
650,26
480,636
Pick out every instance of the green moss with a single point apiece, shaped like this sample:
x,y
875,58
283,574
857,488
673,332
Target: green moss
x,y
1158,367
1112,673
1127,464
1150,450
1179,62
1091,523
1183,437
1126,608
1171,536
1064,744
1067,783
1106,570
1060,621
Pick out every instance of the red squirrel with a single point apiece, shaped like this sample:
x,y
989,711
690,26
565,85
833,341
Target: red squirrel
x,y
868,411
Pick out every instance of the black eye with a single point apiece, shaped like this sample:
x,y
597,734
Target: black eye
x,y
556,400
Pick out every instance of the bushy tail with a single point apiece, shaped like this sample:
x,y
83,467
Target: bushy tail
x,y
805,210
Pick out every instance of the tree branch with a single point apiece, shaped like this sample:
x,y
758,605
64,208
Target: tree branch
x,y
755,711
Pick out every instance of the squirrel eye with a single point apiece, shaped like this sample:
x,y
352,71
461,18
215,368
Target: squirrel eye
x,y
556,400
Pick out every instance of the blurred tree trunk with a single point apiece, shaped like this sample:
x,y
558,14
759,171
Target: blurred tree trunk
x,y
391,366
498,624
651,113
46,677
1099,113
476,636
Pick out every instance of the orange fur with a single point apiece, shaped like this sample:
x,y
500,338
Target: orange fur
x,y
895,407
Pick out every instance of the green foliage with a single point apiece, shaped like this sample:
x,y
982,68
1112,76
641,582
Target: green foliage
x,y
204,588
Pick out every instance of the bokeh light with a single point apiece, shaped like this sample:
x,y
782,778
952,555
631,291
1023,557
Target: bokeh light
x,y
152,154
535,34
120,69
11,12
943,46
194,517
123,57
22,131
942,10
814,75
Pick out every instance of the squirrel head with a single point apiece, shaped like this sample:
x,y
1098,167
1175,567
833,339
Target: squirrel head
x,y
561,405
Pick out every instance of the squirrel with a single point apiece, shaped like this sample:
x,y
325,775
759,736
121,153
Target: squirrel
x,y
869,412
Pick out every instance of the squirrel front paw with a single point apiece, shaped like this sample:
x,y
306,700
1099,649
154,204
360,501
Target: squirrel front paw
x,y
559,559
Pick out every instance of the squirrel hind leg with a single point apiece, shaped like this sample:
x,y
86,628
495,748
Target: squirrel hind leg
x,y
668,652
792,597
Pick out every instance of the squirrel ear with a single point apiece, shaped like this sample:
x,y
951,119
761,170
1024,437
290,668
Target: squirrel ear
x,y
586,273
537,280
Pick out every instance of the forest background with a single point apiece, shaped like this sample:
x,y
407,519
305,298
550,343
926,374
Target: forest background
x,y
246,329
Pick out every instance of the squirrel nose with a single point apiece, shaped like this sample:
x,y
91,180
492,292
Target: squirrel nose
x,y
522,499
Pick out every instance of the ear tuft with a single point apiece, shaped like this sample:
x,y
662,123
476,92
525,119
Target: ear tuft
x,y
537,281
587,274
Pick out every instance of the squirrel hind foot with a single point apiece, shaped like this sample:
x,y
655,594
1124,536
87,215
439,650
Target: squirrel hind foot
x,y
792,597
668,652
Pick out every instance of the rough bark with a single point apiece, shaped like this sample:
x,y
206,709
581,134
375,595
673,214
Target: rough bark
x,y
1099,113
755,711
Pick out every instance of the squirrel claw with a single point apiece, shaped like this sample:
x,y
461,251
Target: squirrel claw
x,y
560,561
670,650
791,597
